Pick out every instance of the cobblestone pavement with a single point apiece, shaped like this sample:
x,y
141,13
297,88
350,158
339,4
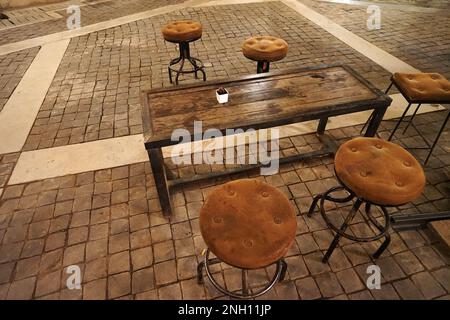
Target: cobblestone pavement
x,y
98,12
12,68
95,93
7,164
418,38
109,223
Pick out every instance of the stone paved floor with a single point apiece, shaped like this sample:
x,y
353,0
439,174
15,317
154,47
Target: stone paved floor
x,y
95,93
12,68
421,39
109,223
91,14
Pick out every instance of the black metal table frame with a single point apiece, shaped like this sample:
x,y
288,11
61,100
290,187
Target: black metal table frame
x,y
165,179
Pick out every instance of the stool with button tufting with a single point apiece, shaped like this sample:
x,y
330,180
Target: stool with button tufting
x,y
375,172
184,32
420,88
247,224
264,49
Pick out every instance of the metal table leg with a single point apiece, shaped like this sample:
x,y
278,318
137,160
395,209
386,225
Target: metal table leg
x,y
160,175
375,121
322,125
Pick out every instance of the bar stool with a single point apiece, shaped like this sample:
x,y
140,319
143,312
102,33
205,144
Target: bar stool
x,y
184,32
377,173
421,88
264,50
249,225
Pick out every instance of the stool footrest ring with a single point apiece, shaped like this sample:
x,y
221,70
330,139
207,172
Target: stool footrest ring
x,y
207,262
368,218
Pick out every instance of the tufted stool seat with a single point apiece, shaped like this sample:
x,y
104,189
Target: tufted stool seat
x,y
248,224
182,31
379,171
375,172
264,49
423,87
420,88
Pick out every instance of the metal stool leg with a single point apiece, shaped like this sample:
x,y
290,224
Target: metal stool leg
x,y
200,267
194,63
179,71
399,121
387,236
262,66
199,68
200,272
344,226
438,136
314,204
412,118
384,245
283,270
244,282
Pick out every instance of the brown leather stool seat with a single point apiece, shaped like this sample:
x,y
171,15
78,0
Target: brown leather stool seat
x,y
182,31
423,87
248,224
379,171
264,48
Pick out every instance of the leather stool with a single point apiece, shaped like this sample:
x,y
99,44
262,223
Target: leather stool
x,y
264,50
184,32
421,88
377,173
249,225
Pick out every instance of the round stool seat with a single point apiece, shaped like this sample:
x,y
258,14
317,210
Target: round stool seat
x,y
182,31
264,48
379,171
248,224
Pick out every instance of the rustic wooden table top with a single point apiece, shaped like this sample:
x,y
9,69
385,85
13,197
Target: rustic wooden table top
x,y
258,101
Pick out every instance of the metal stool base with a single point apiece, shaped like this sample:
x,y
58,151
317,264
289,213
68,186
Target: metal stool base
x,y
262,66
185,55
340,232
207,262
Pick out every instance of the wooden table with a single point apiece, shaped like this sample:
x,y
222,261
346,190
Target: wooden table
x,y
256,101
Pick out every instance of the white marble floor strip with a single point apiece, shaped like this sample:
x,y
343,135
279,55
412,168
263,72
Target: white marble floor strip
x,y
379,56
19,112
114,152
76,158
